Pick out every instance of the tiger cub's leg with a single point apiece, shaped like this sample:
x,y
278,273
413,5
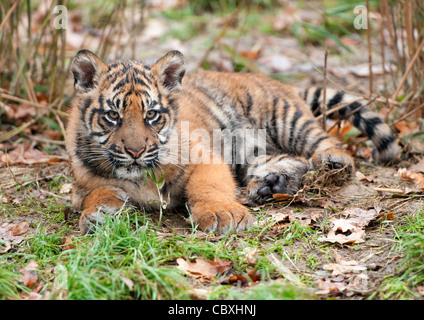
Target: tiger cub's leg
x,y
274,174
283,173
100,201
211,192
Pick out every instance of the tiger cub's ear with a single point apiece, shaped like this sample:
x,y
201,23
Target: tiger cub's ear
x,y
87,68
170,70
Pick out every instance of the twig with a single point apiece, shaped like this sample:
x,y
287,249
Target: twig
x,y
9,13
408,69
369,48
353,112
392,190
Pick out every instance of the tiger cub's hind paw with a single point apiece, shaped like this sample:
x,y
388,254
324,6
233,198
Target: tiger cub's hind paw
x,y
281,177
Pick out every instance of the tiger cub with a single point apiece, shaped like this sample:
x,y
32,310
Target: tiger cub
x,y
130,117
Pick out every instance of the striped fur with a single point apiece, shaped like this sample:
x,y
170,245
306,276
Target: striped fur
x,y
125,113
386,149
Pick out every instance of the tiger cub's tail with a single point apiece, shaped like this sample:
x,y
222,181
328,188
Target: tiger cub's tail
x,y
370,123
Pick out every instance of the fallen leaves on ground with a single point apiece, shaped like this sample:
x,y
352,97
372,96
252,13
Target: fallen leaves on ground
x,y
350,228
29,274
12,233
28,154
347,276
416,177
67,245
204,268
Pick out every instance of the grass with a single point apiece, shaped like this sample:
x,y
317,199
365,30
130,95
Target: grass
x,y
410,272
128,257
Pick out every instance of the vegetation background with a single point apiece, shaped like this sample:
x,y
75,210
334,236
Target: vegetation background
x,y
42,255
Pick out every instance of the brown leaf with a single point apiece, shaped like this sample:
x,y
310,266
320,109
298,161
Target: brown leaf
x,y
67,245
66,188
344,267
12,232
204,268
354,237
29,274
284,197
416,177
327,286
418,167
405,127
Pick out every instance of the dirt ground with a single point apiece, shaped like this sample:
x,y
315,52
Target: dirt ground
x,y
351,270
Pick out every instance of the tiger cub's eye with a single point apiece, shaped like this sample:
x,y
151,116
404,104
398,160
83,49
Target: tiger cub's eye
x,y
113,114
151,114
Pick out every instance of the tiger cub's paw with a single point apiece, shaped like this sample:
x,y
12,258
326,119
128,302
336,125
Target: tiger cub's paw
x,y
335,160
277,179
221,217
101,202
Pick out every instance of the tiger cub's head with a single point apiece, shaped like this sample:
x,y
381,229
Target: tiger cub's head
x,y
126,112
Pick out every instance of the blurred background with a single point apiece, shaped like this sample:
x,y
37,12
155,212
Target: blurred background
x,y
297,42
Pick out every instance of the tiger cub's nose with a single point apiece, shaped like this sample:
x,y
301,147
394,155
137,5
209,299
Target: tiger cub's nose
x,y
135,153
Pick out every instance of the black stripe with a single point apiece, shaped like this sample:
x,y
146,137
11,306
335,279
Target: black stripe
x,y
293,123
301,134
304,140
312,149
335,100
315,101
370,124
305,96
384,143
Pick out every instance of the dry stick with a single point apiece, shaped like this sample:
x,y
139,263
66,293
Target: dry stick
x,y
383,57
369,48
408,69
355,93
409,113
410,37
341,106
353,112
34,104
8,14
324,94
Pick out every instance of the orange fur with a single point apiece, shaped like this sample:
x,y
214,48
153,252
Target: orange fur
x,y
125,112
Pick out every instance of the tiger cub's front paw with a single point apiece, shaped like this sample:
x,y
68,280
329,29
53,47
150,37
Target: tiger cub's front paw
x,y
221,217
90,218
100,202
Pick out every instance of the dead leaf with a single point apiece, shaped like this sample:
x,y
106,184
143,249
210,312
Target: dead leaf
x,y
418,167
12,233
361,177
343,225
250,255
354,237
29,274
416,177
238,278
66,188
327,286
361,217
67,245
405,127
284,197
345,267
204,268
